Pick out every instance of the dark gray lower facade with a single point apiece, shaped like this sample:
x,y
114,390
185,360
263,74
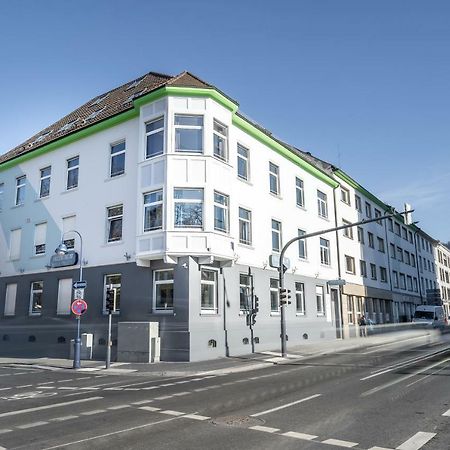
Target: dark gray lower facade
x,y
188,331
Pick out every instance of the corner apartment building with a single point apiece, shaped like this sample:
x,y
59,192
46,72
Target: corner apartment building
x,y
179,200
443,272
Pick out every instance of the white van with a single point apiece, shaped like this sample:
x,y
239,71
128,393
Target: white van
x,y
431,316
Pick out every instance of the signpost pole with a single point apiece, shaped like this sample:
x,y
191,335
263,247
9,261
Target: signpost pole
x,y
77,347
108,345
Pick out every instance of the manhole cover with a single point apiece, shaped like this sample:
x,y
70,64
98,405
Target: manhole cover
x,y
237,421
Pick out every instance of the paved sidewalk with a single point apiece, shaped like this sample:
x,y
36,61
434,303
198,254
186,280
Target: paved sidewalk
x,y
234,364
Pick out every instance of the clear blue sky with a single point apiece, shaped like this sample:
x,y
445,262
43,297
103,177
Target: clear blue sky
x,y
362,84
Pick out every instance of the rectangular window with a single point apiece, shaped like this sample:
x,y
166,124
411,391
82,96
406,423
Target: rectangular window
x,y
407,258
320,300
276,235
244,292
153,210
15,240
221,212
274,295
404,233
348,232
390,225
373,271
368,210
345,195
409,281
392,250
44,186
117,161
350,309
360,231
69,224
40,234
410,236
274,180
300,298
350,264
403,281
245,226
395,280
380,244
415,286
20,190
243,162
208,291
64,296
363,268
154,137
371,241
302,250
383,274
163,290
73,165
378,214
413,260
358,203
399,254
188,208
220,145
10,299
188,133
325,252
112,282
397,228
322,204
36,294
115,218
299,192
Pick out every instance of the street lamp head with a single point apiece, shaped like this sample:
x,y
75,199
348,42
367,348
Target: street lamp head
x,y
61,249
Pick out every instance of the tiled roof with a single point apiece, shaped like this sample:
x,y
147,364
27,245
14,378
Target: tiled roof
x,y
103,107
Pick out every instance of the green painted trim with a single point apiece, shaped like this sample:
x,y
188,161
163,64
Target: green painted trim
x,y
100,126
187,92
274,145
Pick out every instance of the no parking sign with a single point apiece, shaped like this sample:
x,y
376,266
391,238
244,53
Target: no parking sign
x,y
79,307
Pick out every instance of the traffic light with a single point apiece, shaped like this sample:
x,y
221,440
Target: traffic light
x,y
256,306
285,295
110,304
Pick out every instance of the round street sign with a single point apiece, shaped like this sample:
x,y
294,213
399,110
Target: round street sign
x,y
79,307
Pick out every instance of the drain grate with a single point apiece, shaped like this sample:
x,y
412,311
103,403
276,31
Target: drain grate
x,y
237,421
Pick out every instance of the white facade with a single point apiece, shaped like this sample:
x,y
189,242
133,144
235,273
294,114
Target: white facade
x,y
443,271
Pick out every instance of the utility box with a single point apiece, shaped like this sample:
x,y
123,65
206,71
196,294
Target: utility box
x,y
138,342
87,345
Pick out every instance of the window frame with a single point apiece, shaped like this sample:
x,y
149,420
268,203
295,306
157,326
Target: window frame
x,y
39,291
170,281
160,130
220,136
42,245
110,219
274,175
43,178
111,286
345,196
21,183
347,232
278,232
76,169
302,245
177,201
114,155
189,127
321,295
299,192
248,223
274,289
157,204
350,266
300,299
214,283
246,162
325,252
322,204
224,208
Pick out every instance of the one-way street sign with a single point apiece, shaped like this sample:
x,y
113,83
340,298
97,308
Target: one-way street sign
x,y
80,284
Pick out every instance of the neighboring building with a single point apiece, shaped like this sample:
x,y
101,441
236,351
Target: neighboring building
x,y
443,271
180,200
176,196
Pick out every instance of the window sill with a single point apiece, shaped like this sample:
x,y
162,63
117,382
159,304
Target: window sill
x,y
163,312
110,178
275,313
18,206
245,181
223,161
300,314
40,199
277,196
37,256
323,217
320,314
209,313
247,246
115,313
70,190
302,207
112,244
35,314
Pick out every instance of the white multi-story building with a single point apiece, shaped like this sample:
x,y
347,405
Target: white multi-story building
x,y
443,271
176,196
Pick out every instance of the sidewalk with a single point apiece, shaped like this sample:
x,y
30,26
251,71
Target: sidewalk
x,y
233,364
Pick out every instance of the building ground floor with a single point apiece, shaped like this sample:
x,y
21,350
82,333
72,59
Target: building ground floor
x,y
201,309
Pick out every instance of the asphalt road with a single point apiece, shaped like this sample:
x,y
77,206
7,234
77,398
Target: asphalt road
x,y
387,397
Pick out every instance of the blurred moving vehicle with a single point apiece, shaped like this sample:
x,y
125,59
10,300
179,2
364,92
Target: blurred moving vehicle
x,y
431,316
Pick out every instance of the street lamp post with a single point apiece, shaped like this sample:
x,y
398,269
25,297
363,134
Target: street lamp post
x,y
62,250
282,268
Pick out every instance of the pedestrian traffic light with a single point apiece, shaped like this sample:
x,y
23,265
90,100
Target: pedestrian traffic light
x,y
285,296
256,306
110,304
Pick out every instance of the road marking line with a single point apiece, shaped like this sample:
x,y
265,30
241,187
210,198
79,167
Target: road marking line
x,y
47,387
5,430
179,394
379,448
427,376
4,389
164,397
200,389
167,384
150,388
62,419
31,425
285,406
24,386
82,378
127,430
265,429
169,412
91,413
447,413
113,408
417,441
400,380
150,408
132,389
89,388
113,389
294,434
182,382
142,402
67,388
54,405
47,382
196,417
215,386
65,381
340,443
